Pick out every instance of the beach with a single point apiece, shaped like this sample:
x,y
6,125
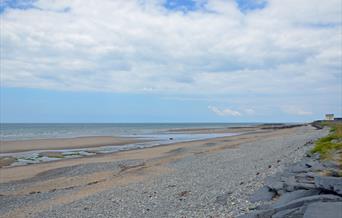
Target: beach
x,y
64,143
202,178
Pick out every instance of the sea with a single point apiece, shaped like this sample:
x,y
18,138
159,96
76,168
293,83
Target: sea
x,y
25,131
156,134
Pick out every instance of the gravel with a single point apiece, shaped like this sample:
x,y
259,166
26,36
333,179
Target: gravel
x,y
202,185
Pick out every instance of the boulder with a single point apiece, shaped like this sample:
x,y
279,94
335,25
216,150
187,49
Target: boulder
x,y
324,209
329,183
274,182
290,196
290,213
314,165
306,200
296,207
331,164
263,194
292,184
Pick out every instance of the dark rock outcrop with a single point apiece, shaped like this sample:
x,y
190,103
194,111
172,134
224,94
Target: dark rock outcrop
x,y
301,191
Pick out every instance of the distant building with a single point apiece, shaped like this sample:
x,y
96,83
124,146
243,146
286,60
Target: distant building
x,y
329,117
338,119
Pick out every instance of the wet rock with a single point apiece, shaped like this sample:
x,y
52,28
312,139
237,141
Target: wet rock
x,y
324,209
6,161
263,194
329,183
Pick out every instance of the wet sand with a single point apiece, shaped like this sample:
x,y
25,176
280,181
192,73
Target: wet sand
x,y
64,143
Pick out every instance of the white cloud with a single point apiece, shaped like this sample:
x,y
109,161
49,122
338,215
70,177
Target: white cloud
x,y
224,112
249,111
295,110
139,46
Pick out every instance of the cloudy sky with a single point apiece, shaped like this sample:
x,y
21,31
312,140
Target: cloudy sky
x,y
170,60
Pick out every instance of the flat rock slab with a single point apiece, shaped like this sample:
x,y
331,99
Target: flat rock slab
x,y
291,196
324,209
329,183
263,194
290,213
294,208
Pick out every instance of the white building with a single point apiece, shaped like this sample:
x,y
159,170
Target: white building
x,y
329,117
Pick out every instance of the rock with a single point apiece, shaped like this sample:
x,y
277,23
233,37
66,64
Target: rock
x,y
274,183
329,183
290,196
290,213
264,207
324,209
314,166
331,164
292,209
306,178
298,168
258,214
263,194
6,161
292,184
183,193
306,200
222,199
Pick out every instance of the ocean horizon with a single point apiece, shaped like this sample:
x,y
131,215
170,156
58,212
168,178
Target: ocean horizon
x,y
27,131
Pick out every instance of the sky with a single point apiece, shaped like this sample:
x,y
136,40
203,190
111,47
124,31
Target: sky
x,y
170,60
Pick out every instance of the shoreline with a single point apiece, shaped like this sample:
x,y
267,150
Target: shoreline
x,y
65,143
36,151
199,173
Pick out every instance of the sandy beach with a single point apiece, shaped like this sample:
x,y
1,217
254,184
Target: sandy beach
x,y
166,181
66,143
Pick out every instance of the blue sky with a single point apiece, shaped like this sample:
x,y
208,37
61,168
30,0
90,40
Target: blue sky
x,y
170,61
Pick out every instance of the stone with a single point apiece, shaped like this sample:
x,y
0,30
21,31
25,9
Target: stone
x,y
292,184
222,199
331,164
258,214
263,194
290,213
329,183
314,166
290,196
324,209
274,183
306,200
299,167
306,177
